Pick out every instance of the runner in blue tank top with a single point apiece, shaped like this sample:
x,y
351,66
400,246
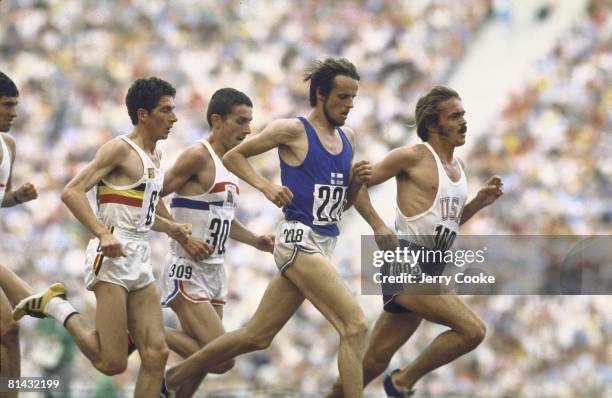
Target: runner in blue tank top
x,y
321,208
318,184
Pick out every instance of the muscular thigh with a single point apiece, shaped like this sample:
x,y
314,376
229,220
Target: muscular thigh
x,y
319,282
111,318
199,320
219,311
280,301
14,287
448,310
6,310
145,318
390,332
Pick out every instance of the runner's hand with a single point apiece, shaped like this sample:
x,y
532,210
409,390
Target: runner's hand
x,y
197,248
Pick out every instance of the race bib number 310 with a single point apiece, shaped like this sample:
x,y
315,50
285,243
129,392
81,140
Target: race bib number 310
x,y
328,203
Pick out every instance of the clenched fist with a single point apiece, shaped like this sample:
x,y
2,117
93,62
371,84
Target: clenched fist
x,y
25,193
362,172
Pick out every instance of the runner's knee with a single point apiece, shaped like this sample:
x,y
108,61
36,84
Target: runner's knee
x,y
257,341
474,332
154,356
355,329
112,366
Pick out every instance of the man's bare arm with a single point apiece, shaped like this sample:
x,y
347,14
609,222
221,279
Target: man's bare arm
x,y
274,135
24,193
187,164
242,234
395,162
106,159
384,236
489,193
360,174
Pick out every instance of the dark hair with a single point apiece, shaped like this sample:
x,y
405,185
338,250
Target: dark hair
x,y
145,94
223,100
428,108
7,87
322,73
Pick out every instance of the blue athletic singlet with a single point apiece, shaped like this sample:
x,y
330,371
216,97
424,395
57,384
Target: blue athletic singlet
x,y
319,185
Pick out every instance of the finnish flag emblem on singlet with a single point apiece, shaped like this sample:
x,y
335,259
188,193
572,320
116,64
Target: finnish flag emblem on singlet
x,y
329,200
336,179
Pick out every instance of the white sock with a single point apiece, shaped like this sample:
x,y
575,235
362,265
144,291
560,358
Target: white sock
x,y
59,309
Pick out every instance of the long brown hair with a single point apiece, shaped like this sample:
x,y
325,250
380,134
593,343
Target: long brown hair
x,y
322,73
427,109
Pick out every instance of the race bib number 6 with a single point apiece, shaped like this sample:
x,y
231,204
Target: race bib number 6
x,y
328,203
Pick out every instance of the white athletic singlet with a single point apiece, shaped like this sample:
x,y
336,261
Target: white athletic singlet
x,y
5,167
131,207
210,213
437,227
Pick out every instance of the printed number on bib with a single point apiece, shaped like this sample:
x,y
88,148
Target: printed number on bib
x,y
327,204
219,231
294,234
151,209
444,237
180,271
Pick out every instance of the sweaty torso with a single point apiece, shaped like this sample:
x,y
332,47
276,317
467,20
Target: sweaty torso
x,y
5,165
201,180
431,198
294,153
417,191
130,169
2,155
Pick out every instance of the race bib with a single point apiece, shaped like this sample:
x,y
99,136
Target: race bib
x,y
444,237
328,204
294,233
178,270
219,223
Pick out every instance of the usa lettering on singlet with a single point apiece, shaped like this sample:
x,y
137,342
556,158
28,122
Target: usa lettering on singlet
x,y
210,213
437,227
131,207
5,167
319,185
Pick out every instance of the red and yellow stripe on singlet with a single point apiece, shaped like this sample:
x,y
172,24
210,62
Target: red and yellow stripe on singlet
x,y
99,257
129,197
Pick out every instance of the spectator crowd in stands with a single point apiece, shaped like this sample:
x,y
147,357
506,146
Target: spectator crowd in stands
x,y
74,59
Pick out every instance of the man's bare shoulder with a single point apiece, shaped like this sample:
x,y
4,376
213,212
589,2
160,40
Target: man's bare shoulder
x,y
419,151
196,154
291,127
9,140
410,155
350,134
115,147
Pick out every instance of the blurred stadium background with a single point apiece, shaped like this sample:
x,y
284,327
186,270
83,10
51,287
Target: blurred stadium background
x,y
535,77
